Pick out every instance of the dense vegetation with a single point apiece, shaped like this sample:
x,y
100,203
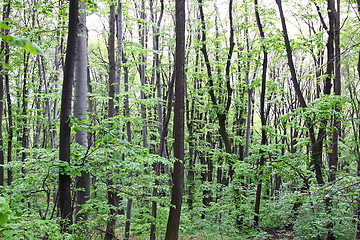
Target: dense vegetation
x,y
93,128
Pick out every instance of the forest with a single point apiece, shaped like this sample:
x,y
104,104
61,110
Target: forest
x,y
185,119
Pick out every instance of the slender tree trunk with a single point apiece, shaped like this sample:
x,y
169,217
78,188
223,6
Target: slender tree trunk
x,y
25,130
358,146
190,111
156,30
262,117
10,118
333,158
47,103
333,161
172,229
80,110
221,113
1,133
4,50
66,98
316,157
112,197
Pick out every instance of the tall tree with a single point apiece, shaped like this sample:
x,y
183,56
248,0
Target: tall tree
x,y
316,157
262,116
112,197
4,50
172,229
80,110
221,110
66,99
156,31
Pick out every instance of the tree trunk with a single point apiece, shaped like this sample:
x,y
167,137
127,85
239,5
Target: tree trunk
x,y
66,98
172,229
112,197
262,117
316,157
25,130
333,158
221,111
156,30
80,110
4,50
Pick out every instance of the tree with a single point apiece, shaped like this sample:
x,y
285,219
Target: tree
x,y
172,229
316,155
80,110
66,99
5,51
262,117
112,197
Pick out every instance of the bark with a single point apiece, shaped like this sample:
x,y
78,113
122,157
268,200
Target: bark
x,y
80,111
172,229
66,98
262,117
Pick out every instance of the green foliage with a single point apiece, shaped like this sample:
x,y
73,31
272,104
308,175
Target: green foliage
x,y
24,43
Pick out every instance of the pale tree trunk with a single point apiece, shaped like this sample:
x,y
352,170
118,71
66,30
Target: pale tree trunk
x,y
80,110
47,103
249,98
156,29
172,229
142,68
66,99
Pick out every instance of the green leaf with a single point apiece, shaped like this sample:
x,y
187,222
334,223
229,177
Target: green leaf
x,y
3,219
33,48
28,46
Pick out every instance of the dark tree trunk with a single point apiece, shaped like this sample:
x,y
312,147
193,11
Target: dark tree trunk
x,y
334,16
112,197
66,98
262,117
5,51
172,229
316,156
